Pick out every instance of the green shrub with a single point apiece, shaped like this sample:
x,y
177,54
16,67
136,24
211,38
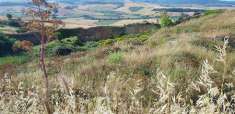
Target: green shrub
x,y
115,58
72,41
90,45
120,39
106,42
165,20
177,73
62,50
52,46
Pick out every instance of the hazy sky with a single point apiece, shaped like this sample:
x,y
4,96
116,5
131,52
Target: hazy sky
x,y
68,0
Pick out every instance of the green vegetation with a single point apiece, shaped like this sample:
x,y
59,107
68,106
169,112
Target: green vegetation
x,y
16,59
115,58
73,41
212,12
72,44
52,46
6,45
165,20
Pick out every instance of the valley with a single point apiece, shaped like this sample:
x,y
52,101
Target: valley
x,y
91,14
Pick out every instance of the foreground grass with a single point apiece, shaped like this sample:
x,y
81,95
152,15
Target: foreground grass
x,y
177,70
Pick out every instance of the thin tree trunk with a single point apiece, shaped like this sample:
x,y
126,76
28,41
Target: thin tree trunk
x,y
43,68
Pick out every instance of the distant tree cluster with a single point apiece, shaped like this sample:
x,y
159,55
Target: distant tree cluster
x,y
178,10
5,45
12,21
10,46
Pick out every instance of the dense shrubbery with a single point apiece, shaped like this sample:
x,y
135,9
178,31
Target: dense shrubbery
x,y
73,44
6,45
72,41
106,32
12,52
62,50
14,23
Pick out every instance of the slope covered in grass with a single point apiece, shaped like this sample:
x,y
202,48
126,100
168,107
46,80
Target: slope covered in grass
x,y
177,70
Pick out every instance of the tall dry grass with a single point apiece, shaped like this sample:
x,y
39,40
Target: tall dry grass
x,y
178,70
157,94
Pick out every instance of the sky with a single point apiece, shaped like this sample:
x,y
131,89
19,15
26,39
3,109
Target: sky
x,y
68,0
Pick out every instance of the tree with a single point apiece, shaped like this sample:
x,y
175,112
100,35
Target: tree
x,y
5,45
41,20
9,16
165,20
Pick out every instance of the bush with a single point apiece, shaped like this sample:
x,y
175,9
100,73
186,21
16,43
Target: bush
x,y
52,47
106,42
72,41
115,58
62,51
165,20
21,30
90,45
6,45
14,23
59,48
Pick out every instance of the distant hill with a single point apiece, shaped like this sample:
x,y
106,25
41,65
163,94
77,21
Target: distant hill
x,y
180,1
216,2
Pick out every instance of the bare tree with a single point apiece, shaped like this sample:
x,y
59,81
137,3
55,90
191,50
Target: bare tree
x,y
41,20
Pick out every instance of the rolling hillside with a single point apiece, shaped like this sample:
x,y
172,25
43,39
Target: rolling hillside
x,y
146,1
186,68
91,13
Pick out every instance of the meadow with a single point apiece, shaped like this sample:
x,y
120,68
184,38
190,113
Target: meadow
x,y
185,68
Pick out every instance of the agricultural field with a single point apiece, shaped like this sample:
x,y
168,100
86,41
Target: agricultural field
x,y
101,14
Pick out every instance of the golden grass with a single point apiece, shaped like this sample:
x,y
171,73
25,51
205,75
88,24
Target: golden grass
x,y
168,74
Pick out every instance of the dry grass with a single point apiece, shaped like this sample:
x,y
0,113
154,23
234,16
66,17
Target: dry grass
x,y
170,73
